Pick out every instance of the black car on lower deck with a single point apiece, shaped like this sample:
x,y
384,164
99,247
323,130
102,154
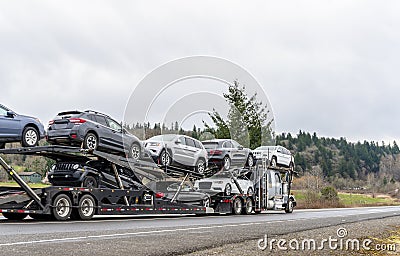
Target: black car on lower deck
x,y
90,173
93,130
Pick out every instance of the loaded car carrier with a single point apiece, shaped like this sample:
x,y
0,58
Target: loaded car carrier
x,y
271,191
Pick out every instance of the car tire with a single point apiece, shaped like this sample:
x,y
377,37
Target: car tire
x,y
273,162
200,166
62,207
14,216
250,161
226,163
289,207
90,182
206,202
237,206
228,189
91,141
134,151
165,158
30,137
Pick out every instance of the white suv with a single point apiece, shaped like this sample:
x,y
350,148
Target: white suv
x,y
277,155
178,150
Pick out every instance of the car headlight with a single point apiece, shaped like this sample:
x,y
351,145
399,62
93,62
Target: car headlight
x,y
75,167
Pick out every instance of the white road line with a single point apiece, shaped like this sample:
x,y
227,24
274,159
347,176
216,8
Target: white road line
x,y
125,234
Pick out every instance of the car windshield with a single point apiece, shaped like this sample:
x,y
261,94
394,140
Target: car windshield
x,y
164,137
210,145
64,115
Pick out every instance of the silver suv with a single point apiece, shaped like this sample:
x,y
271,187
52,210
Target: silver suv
x,y
178,150
277,156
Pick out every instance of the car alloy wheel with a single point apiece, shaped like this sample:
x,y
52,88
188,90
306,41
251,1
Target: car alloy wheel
x,y
228,189
30,137
227,163
273,162
91,141
201,166
135,151
165,158
250,161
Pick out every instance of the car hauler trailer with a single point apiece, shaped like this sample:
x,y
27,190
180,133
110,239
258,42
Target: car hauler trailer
x,y
67,202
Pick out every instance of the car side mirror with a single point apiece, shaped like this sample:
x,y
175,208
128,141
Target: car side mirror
x,y
177,142
10,114
240,147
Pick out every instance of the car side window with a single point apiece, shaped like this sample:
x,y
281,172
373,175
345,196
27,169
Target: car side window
x,y
182,140
197,144
190,142
101,120
3,112
114,125
227,144
91,118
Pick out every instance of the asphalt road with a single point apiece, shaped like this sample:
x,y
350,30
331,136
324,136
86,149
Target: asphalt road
x,y
166,235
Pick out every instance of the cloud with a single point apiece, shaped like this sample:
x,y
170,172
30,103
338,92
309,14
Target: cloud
x,y
327,66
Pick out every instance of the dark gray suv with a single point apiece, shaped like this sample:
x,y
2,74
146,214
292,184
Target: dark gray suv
x,y
93,130
226,153
19,128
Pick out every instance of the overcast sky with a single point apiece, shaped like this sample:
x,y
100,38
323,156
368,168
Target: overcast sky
x,y
326,66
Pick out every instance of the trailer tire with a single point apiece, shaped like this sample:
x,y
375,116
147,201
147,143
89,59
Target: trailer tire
x,y
248,209
62,207
86,207
14,216
237,206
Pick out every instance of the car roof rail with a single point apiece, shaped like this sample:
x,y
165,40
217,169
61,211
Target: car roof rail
x,y
95,112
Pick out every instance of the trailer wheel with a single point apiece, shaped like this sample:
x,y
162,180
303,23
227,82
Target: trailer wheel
x,y
86,207
289,207
237,206
248,209
62,207
14,216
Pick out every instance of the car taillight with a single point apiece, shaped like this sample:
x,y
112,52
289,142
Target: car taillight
x,y
77,120
160,195
215,152
51,122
